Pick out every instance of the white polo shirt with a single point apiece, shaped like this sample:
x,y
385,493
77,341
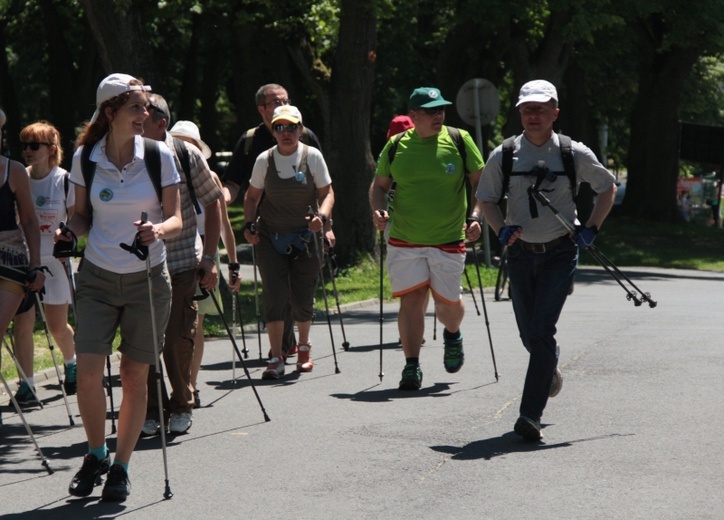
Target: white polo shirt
x,y
118,198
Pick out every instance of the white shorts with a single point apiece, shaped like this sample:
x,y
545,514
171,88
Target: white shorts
x,y
410,268
57,288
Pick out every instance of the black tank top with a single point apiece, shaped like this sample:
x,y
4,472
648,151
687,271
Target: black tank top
x,y
8,222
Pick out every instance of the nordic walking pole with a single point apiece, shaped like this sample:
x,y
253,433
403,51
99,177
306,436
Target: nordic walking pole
x,y
330,267
382,294
236,307
253,231
485,311
233,334
472,292
596,253
318,245
43,460
142,253
41,310
236,349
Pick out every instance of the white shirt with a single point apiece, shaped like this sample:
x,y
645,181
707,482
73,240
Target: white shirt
x,y
118,198
50,205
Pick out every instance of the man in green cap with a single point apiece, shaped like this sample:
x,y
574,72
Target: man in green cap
x,y
427,231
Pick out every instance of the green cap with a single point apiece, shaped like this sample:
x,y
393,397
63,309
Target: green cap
x,y
426,97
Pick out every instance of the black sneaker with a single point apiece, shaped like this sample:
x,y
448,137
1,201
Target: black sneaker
x,y
90,474
528,428
70,383
411,377
118,485
454,356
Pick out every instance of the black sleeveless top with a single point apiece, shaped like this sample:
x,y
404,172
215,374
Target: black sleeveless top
x,y
8,221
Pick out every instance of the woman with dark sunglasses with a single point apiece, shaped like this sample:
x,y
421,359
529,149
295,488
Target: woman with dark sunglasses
x,y
294,182
19,258
53,202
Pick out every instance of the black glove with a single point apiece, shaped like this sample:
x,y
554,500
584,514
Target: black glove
x,y
63,249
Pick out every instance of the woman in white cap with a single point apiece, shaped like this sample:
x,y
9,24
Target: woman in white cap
x,y
293,179
189,132
112,285
19,259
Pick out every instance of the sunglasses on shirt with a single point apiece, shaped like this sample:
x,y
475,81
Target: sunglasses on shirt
x,y
34,145
291,127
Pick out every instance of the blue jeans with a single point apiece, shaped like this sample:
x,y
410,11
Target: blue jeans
x,y
539,285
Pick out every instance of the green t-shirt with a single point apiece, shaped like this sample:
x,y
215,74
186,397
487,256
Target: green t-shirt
x,y
430,197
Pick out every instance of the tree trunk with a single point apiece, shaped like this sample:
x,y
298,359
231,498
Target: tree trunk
x,y
122,43
653,150
349,124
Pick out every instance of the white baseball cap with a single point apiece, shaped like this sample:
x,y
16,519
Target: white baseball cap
x,y
287,113
189,130
115,85
537,91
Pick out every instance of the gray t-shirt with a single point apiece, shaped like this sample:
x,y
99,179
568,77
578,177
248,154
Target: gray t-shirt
x,y
526,156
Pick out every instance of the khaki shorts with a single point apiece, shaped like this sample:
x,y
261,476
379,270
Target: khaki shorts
x,y
410,268
106,300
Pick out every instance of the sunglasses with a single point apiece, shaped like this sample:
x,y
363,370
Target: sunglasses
x,y
34,145
433,111
151,106
291,127
277,103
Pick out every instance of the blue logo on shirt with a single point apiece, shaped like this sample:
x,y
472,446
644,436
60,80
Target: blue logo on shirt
x,y
450,168
299,177
40,201
105,194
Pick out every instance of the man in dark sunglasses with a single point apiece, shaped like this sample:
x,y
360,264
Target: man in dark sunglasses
x,y
253,142
430,164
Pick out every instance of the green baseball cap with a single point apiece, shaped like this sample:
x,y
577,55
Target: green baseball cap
x,y
427,97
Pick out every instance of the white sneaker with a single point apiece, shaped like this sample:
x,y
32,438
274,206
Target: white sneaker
x,y
180,422
150,428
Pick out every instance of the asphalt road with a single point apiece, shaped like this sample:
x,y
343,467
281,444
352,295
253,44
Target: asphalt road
x,y
635,433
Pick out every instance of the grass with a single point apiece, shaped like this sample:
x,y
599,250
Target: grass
x,y
625,241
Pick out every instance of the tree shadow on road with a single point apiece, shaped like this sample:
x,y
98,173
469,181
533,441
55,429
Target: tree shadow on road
x,y
508,443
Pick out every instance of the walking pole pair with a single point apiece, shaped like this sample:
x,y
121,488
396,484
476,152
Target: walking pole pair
x,y
319,246
331,263
43,460
205,294
596,253
141,252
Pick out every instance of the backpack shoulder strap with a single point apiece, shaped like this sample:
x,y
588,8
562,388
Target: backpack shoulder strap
x,y
152,158
457,139
183,156
507,165
88,169
569,165
248,138
393,148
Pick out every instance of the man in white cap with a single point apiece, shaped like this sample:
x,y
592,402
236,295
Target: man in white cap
x,y
187,256
542,256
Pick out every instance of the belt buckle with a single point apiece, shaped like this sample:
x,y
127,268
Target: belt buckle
x,y
538,248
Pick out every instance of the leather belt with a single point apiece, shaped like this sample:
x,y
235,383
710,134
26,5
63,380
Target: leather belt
x,y
532,247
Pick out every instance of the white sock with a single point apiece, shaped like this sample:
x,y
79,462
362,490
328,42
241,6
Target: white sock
x,y
31,381
70,361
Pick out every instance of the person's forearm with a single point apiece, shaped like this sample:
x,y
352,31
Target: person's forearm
x,y
493,214
602,206
212,228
